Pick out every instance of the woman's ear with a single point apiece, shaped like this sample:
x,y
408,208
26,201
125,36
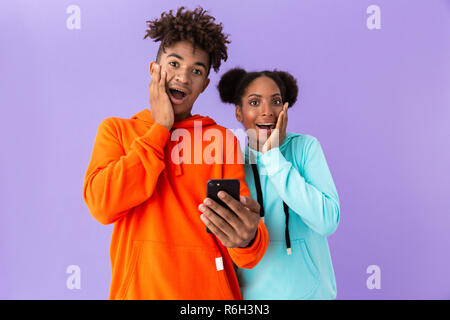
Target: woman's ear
x,y
238,113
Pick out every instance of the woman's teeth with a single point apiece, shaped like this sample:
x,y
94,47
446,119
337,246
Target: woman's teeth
x,y
265,126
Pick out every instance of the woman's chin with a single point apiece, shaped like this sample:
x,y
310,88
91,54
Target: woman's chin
x,y
256,145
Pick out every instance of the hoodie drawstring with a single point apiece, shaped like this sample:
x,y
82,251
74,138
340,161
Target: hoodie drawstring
x,y
258,190
261,204
178,168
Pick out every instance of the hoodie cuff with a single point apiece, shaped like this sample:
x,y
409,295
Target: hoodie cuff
x,y
156,136
248,257
273,160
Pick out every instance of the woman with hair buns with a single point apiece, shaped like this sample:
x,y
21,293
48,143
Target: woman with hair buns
x,y
288,174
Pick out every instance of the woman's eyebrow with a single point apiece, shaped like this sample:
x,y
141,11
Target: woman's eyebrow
x,y
260,96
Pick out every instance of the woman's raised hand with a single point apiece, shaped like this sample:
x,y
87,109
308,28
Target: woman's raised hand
x,y
279,133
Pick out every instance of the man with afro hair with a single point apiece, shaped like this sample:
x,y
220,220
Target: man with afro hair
x,y
152,186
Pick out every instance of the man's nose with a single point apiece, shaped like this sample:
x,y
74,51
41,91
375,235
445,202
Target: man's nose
x,y
183,76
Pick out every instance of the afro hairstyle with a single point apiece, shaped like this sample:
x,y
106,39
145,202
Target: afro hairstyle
x,y
195,26
233,83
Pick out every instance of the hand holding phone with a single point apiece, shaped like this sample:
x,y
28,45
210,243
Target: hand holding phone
x,y
235,222
230,186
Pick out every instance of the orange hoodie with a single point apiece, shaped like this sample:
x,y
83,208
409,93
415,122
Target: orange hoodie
x,y
150,187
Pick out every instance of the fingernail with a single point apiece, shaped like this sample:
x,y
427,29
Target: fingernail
x,y
207,202
221,194
201,208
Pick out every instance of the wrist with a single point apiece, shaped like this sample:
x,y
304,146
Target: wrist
x,y
250,242
167,124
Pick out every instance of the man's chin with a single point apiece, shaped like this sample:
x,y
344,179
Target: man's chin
x,y
181,114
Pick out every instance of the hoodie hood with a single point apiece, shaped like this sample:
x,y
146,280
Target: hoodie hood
x,y
195,121
191,122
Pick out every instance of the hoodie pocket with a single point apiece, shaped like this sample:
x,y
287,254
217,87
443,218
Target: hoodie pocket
x,y
129,271
303,248
161,271
281,276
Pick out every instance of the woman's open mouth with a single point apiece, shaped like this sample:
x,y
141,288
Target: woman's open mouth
x,y
266,126
177,95
264,130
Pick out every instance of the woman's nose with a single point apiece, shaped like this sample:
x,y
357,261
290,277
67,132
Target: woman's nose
x,y
267,109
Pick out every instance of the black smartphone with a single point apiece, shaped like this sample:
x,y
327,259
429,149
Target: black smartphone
x,y
230,186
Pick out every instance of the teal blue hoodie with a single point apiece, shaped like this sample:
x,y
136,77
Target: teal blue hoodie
x,y
296,173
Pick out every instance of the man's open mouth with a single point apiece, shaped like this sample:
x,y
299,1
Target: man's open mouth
x,y
178,93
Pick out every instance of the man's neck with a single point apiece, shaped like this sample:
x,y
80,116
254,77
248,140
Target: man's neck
x,y
182,117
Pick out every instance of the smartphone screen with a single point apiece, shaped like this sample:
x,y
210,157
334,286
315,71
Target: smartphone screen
x,y
230,186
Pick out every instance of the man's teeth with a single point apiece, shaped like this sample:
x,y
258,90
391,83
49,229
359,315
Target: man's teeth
x,y
176,91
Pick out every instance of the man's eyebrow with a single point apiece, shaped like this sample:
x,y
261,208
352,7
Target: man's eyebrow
x,y
176,56
198,63
201,64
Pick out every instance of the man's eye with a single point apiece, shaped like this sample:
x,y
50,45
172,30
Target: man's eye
x,y
197,71
277,102
253,102
173,63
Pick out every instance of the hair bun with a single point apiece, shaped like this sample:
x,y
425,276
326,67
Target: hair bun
x,y
228,84
291,86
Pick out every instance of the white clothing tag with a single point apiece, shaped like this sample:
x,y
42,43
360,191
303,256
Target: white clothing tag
x,y
219,264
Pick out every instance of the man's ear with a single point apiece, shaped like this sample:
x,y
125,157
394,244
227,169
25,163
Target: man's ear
x,y
238,113
205,84
152,65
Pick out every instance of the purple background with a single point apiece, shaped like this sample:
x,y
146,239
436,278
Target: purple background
x,y
377,100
